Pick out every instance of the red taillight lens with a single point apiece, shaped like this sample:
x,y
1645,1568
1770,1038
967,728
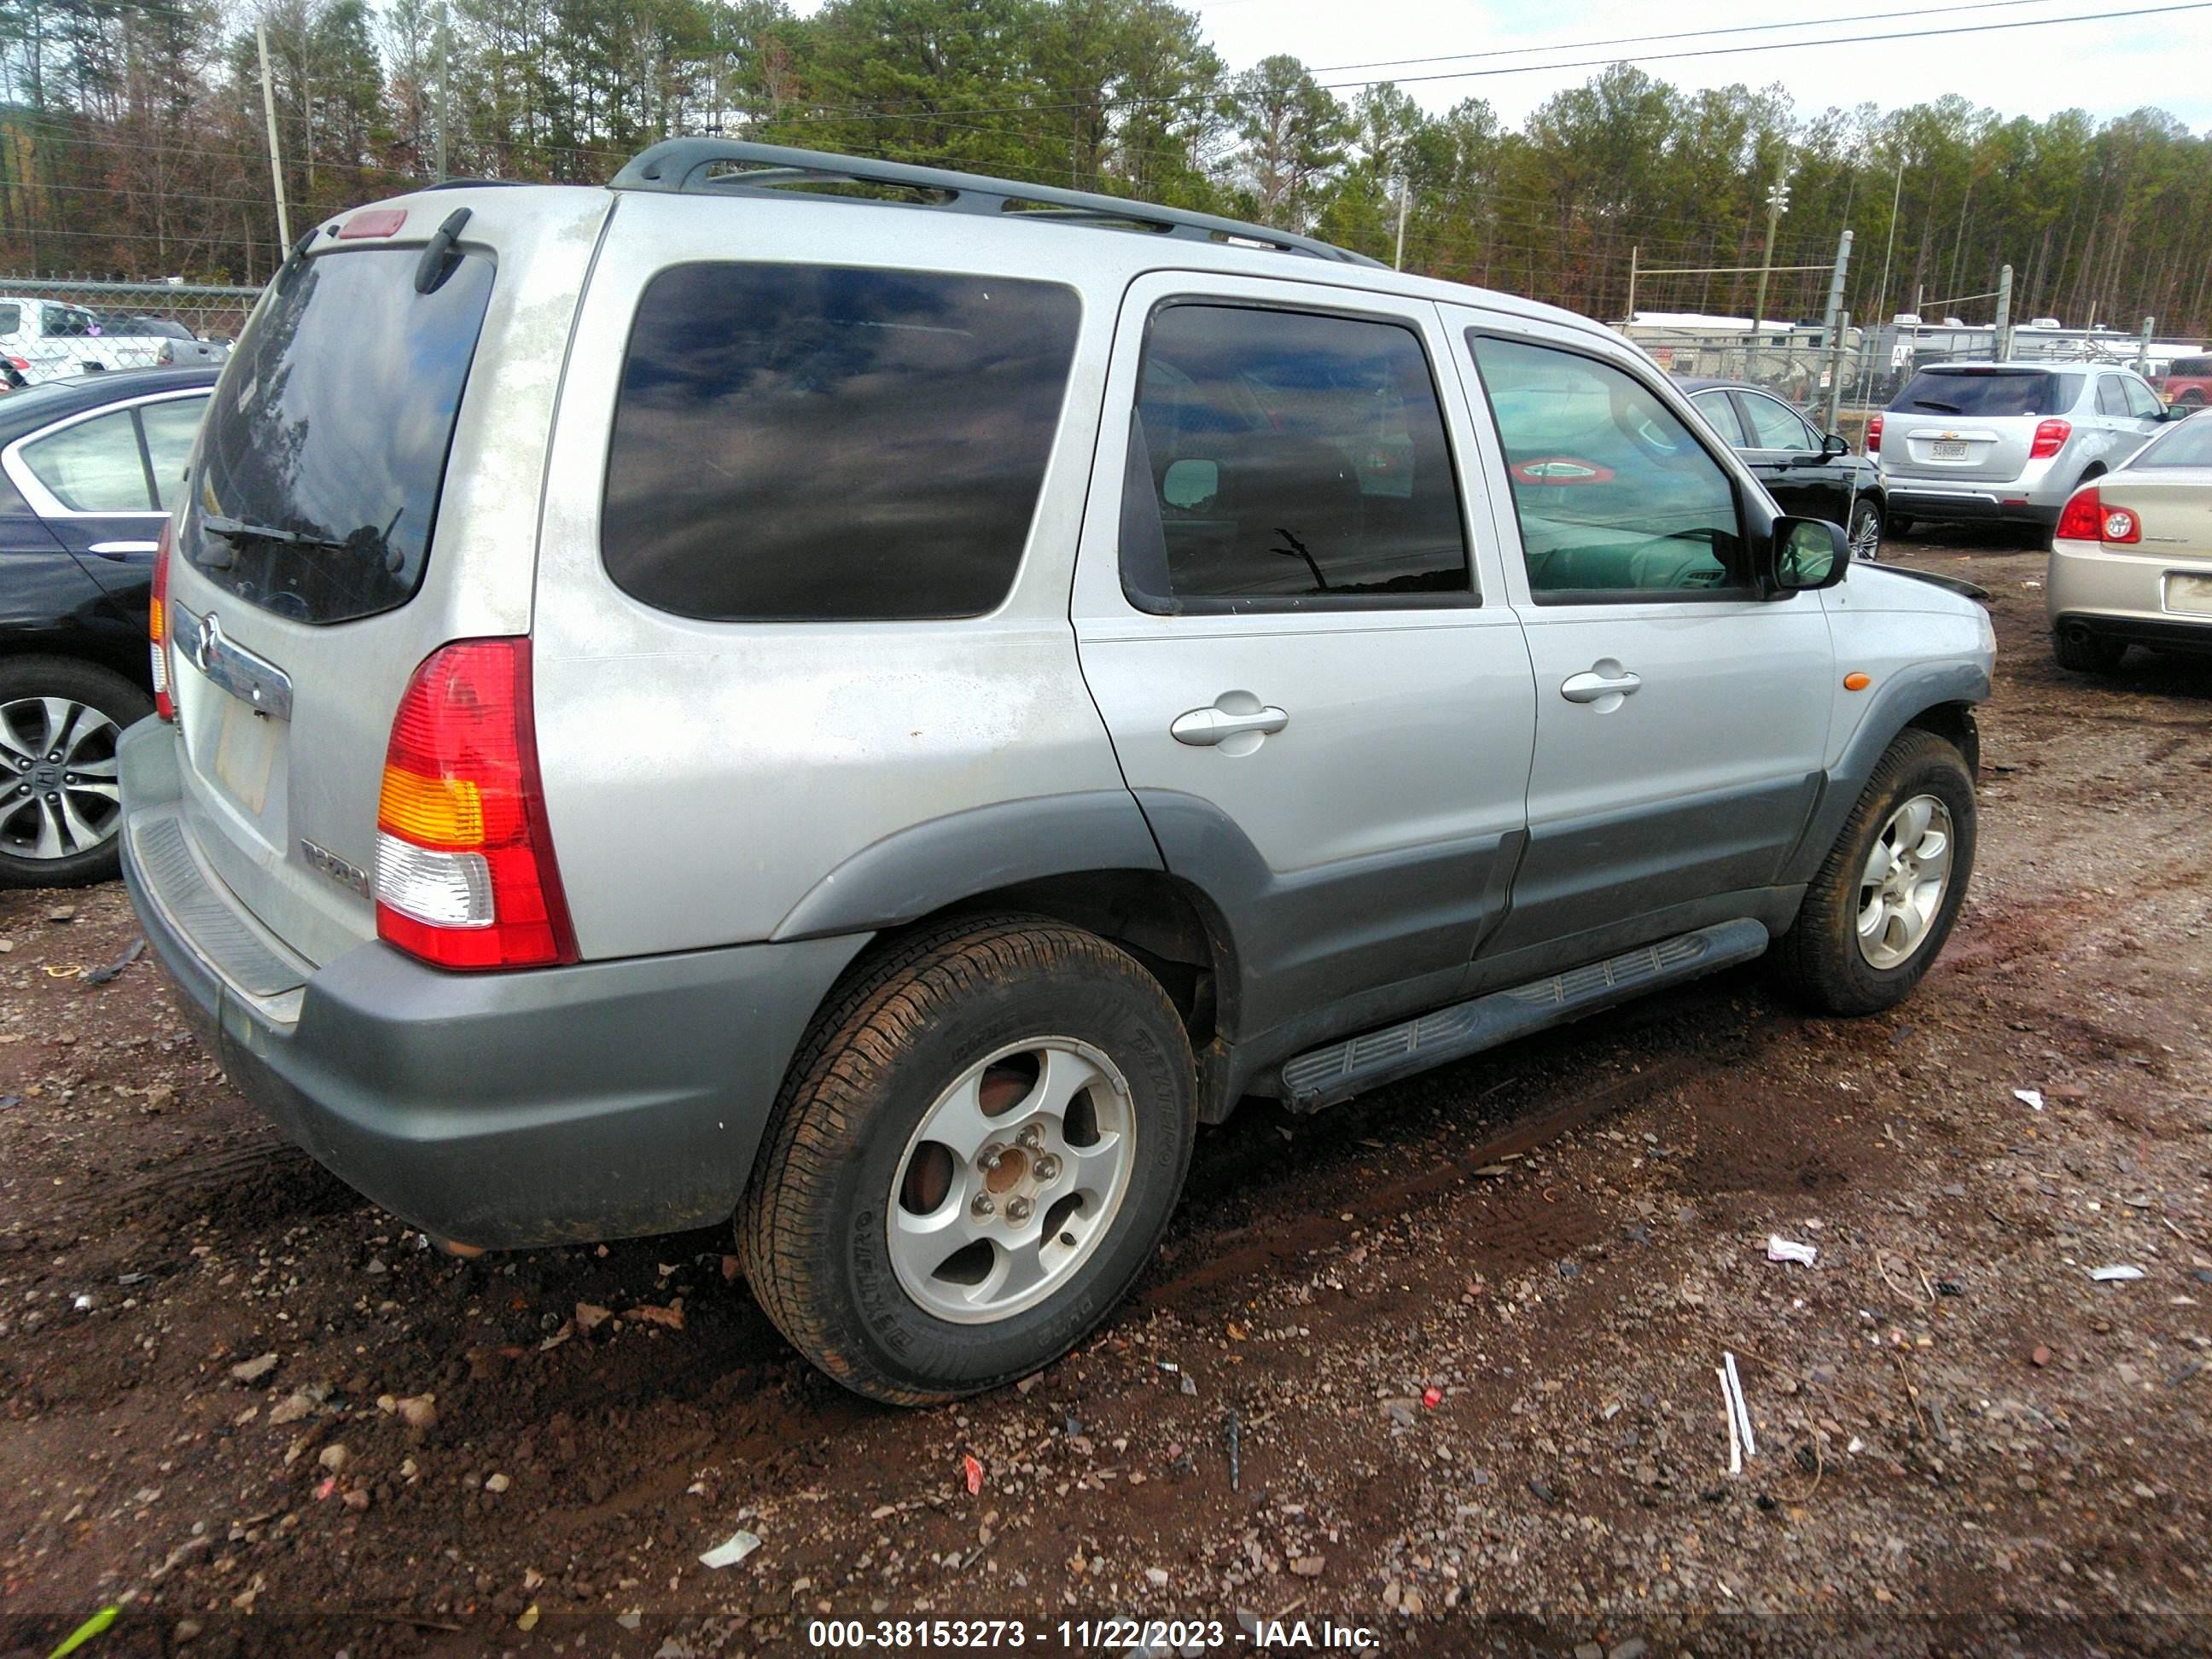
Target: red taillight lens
x,y
1874,436
464,870
2051,437
2082,520
157,628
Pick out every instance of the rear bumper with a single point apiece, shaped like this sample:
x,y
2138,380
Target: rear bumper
x,y
2122,596
1955,504
503,1110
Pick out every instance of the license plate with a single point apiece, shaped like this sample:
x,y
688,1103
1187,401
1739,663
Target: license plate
x,y
244,751
1948,449
2190,593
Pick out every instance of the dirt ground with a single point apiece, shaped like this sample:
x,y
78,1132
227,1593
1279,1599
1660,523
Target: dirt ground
x,y
1466,1329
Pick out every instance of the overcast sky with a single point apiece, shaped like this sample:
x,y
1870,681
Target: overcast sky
x,y
2106,68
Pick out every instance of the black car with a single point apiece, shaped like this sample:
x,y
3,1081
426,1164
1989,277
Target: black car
x,y
86,466
1810,474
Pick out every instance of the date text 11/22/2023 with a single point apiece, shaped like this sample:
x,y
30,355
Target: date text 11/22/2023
x,y
1087,1635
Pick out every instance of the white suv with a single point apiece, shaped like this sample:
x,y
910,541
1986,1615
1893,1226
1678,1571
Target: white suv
x,y
954,699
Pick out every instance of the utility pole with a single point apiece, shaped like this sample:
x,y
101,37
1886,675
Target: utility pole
x,y
2143,351
275,160
1835,326
2002,342
1842,328
442,95
1778,202
1399,261
1632,254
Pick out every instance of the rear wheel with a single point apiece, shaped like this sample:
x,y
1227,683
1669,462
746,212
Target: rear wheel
x,y
60,797
2192,398
1866,533
973,1159
2086,653
1888,894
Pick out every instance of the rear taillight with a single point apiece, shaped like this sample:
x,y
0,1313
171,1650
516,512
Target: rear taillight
x,y
465,870
1874,436
2083,517
2120,524
157,627
2051,437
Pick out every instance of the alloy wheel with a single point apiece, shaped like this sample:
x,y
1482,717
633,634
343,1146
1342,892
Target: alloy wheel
x,y
1012,1180
60,794
1901,889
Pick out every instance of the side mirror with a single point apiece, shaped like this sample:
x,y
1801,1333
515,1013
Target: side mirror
x,y
1808,554
1834,445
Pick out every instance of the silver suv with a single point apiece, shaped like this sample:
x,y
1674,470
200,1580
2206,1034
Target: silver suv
x,y
707,698
2006,443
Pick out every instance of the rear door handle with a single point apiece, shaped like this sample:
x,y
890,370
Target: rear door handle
x,y
1205,726
1589,687
122,550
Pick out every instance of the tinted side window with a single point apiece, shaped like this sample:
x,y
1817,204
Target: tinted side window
x,y
11,318
1720,409
170,427
93,466
1775,426
1287,456
1614,496
2111,399
811,443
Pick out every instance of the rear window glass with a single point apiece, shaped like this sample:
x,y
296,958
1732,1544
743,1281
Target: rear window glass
x,y
331,424
1989,392
812,443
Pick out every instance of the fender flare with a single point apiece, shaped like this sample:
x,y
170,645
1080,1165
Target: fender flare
x,y
1901,700
925,866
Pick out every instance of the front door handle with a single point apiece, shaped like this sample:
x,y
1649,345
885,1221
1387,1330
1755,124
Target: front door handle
x,y
122,550
1205,727
1590,686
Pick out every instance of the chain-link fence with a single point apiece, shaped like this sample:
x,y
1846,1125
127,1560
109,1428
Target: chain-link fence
x,y
52,329
1798,365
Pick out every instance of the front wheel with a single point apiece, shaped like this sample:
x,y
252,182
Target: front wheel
x,y
1888,894
60,795
973,1159
1865,533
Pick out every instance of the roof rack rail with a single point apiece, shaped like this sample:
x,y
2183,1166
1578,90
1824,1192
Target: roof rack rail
x,y
674,166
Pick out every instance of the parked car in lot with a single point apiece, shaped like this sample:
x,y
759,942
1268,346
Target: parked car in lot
x,y
46,340
960,698
87,468
2188,383
1988,443
2132,560
1807,472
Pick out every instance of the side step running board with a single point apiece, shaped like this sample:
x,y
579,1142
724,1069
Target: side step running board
x,y
1322,1077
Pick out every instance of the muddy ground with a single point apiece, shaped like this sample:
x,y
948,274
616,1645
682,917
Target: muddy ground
x,y
1963,1444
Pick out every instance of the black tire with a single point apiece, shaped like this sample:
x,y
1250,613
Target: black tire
x,y
2192,399
1820,955
24,682
2088,653
900,1030
1864,515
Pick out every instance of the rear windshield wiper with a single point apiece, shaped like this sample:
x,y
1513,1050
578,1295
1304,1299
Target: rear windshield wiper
x,y
1930,403
238,530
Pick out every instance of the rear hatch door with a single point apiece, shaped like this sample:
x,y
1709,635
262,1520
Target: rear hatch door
x,y
1973,424
365,490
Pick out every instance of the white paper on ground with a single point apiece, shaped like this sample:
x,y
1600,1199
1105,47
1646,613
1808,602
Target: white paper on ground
x,y
739,1546
1779,1249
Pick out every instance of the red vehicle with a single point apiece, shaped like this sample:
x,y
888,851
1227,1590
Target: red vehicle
x,y
2188,384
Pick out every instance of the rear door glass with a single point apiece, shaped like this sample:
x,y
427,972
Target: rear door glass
x,y
94,466
799,443
170,428
333,423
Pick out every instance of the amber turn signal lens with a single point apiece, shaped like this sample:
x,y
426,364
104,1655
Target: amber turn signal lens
x,y
1855,682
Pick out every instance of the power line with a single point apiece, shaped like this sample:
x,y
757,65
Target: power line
x,y
1682,34
1789,45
